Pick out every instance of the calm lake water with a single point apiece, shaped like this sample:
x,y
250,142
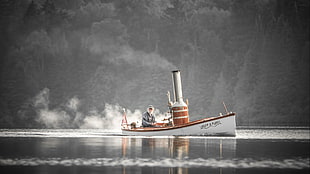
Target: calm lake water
x,y
67,151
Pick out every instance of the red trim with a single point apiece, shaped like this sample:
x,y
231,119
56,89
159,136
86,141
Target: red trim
x,y
179,108
150,129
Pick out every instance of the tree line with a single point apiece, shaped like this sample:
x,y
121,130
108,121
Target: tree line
x,y
253,55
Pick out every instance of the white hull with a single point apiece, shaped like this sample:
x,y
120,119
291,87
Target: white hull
x,y
216,126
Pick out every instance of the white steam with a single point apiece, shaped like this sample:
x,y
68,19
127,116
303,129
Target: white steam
x,y
110,118
70,117
73,103
53,118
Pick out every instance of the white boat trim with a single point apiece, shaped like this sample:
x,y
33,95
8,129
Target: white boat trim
x,y
184,110
180,117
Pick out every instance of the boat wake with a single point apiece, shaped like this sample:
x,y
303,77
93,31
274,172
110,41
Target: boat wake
x,y
294,163
293,134
59,133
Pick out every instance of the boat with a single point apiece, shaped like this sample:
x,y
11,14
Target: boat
x,y
178,122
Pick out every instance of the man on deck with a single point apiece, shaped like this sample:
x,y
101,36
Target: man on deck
x,y
148,118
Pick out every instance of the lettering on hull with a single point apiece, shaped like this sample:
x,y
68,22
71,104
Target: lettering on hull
x,y
211,124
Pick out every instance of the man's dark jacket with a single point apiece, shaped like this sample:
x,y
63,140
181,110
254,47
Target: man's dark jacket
x,y
147,119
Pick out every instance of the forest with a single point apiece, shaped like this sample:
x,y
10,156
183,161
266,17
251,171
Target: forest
x,y
76,58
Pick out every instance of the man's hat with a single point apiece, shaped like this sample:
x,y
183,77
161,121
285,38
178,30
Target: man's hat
x,y
151,106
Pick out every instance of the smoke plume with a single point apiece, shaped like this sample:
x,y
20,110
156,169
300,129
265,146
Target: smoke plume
x,y
141,59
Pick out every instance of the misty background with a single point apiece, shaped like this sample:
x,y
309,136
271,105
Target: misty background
x,y
77,63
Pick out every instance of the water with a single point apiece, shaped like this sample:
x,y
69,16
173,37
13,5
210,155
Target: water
x,y
66,151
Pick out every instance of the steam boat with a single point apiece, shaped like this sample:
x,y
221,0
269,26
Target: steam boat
x,y
179,124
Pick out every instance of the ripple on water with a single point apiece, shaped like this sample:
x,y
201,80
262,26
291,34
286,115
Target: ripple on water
x,y
294,163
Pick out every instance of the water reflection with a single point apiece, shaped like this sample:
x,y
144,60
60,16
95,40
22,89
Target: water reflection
x,y
179,149
181,155
178,153
155,147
